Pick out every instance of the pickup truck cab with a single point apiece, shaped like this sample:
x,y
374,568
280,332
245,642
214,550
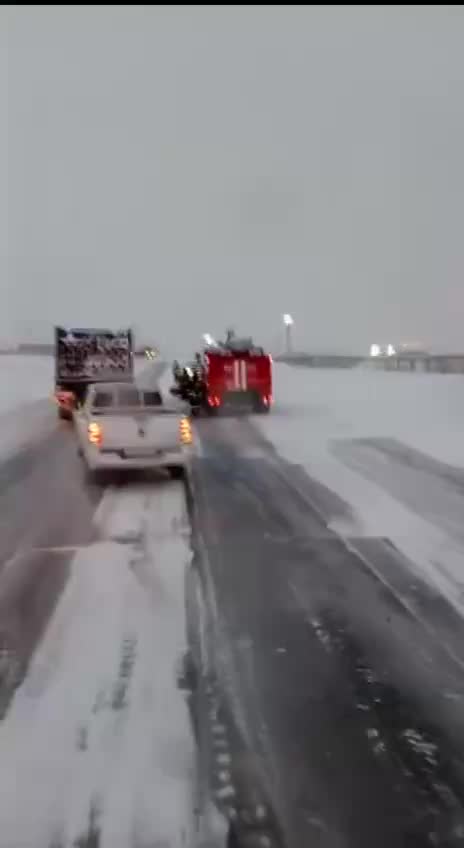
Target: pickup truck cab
x,y
123,427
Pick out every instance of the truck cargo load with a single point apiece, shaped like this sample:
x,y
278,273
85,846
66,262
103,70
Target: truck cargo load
x,y
86,355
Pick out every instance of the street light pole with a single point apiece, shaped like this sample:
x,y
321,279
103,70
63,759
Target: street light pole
x,y
288,323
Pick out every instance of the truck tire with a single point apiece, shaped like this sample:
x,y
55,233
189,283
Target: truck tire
x,y
97,477
177,472
64,414
260,407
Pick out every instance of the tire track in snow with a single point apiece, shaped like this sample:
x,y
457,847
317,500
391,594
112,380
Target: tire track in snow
x,y
431,489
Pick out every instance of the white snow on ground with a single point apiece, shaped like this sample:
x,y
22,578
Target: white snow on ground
x,y
424,410
24,379
316,410
98,733
25,426
26,411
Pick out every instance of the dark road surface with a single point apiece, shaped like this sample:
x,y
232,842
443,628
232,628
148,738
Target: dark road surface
x,y
340,675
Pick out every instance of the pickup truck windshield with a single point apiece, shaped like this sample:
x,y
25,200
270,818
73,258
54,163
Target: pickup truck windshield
x,y
126,397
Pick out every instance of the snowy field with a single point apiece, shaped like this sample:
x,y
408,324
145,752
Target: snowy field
x,y
27,413
24,379
392,446
426,410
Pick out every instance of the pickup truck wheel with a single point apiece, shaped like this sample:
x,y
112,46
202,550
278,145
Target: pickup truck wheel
x,y
97,477
177,472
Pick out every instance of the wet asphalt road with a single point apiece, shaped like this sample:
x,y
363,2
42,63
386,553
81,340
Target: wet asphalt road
x,y
341,676
334,676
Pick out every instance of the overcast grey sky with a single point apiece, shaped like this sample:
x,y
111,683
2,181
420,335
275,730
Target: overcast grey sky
x,y
182,168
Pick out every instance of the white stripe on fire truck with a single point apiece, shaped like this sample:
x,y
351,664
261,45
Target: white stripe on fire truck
x,y
244,375
236,374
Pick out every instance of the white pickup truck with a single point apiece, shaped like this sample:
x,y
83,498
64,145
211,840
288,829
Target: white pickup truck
x,y
123,427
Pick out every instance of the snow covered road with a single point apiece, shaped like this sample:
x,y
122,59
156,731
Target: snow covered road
x,y
96,745
313,612
97,737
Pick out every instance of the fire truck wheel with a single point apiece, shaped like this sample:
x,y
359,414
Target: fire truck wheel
x,y
260,407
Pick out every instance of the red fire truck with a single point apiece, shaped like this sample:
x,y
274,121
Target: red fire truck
x,y
236,374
